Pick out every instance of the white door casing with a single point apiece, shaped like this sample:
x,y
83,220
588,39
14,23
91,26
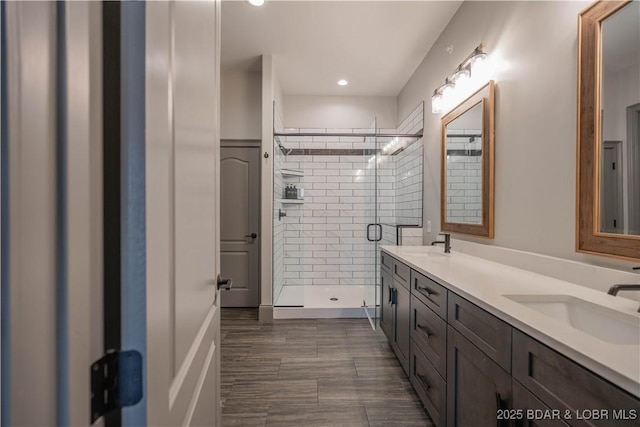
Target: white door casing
x,y
182,174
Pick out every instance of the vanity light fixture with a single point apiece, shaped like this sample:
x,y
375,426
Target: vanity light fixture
x,y
462,75
436,101
342,82
470,73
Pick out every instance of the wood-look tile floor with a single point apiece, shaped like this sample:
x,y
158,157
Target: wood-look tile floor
x,y
311,373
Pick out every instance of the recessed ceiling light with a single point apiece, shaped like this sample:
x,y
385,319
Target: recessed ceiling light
x,y
343,82
256,2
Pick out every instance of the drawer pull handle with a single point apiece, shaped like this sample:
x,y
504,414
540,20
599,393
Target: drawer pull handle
x,y
426,331
428,291
424,381
501,404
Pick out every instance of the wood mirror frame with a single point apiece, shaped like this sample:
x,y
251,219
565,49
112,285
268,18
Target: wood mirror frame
x,y
484,95
589,238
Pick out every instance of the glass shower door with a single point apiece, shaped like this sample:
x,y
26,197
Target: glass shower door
x,y
371,227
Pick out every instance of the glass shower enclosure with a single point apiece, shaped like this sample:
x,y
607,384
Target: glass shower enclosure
x,y
333,206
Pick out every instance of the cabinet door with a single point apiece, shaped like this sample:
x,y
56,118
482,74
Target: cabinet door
x,y
562,384
402,325
533,413
477,387
386,314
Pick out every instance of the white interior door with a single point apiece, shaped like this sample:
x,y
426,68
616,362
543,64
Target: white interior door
x,y
182,161
240,224
52,215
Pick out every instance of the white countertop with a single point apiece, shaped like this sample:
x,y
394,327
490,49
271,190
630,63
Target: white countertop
x,y
485,282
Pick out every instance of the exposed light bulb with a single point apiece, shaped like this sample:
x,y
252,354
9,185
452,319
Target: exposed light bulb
x,y
447,88
342,82
436,101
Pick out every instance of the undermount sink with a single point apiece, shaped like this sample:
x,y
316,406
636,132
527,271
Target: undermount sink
x,y
598,321
419,250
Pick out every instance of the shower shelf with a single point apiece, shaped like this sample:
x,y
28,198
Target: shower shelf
x,y
291,201
291,173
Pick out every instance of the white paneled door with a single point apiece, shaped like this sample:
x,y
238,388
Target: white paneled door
x,y
182,208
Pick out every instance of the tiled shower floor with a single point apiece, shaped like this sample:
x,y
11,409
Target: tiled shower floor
x,y
333,301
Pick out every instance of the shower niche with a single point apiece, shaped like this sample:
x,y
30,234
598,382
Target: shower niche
x,y
356,189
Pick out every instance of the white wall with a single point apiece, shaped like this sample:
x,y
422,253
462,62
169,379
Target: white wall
x,y
303,111
535,46
240,105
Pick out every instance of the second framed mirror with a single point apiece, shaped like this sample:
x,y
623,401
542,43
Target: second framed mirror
x,y
467,179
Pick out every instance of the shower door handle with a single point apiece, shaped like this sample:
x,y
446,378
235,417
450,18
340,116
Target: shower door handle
x,y
378,235
368,231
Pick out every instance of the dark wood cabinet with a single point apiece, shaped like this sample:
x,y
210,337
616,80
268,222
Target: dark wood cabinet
x,y
484,330
395,316
477,387
432,294
530,411
429,333
402,325
430,386
471,368
386,311
562,384
401,273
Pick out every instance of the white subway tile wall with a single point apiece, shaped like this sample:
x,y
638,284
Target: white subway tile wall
x,y
408,173
411,236
323,241
464,179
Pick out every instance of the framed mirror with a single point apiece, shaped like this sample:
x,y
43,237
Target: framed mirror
x,y
608,169
466,204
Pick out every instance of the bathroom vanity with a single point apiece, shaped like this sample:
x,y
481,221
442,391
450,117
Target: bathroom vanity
x,y
487,344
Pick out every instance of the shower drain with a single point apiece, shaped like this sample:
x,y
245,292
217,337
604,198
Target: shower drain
x,y
334,299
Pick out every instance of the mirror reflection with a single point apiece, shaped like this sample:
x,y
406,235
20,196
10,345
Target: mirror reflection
x,y
466,204
620,115
464,167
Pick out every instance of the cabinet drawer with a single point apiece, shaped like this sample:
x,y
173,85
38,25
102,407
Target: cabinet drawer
x,y
386,261
430,334
562,384
487,332
431,388
429,292
401,273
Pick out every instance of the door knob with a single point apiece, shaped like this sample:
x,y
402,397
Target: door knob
x,y
224,283
252,235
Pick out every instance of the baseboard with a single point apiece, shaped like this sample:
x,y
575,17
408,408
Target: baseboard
x,y
265,313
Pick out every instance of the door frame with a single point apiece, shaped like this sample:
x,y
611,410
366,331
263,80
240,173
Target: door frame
x,y
252,143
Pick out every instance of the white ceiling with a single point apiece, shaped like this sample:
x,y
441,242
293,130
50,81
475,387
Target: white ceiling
x,y
375,45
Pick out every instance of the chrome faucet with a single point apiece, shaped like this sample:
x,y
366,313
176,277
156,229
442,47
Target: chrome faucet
x,y
446,242
617,288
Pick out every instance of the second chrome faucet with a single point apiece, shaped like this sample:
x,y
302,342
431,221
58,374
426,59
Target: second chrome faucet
x,y
446,242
